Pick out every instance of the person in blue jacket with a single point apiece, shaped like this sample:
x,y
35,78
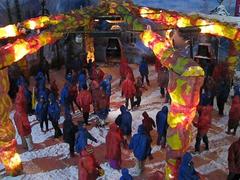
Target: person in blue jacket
x,y
82,80
140,144
40,79
186,169
124,121
42,91
107,87
64,98
54,114
82,137
162,125
41,112
125,175
143,69
236,89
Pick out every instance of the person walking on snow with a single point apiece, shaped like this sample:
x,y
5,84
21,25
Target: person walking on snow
x,y
126,175
107,87
143,69
84,100
88,168
162,125
114,139
203,125
82,137
186,170
138,94
82,79
234,115
234,161
148,123
21,120
69,131
128,91
140,144
54,114
41,112
223,91
124,121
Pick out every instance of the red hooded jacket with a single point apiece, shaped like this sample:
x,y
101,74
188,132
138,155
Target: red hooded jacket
x,y
128,88
84,99
20,116
204,120
100,75
148,122
234,114
234,157
87,166
114,139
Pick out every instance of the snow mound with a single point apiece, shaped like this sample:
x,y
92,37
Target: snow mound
x,y
61,150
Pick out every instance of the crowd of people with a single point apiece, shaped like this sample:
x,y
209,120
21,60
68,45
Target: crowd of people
x,y
89,89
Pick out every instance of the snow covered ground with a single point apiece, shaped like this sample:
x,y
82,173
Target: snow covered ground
x,y
50,159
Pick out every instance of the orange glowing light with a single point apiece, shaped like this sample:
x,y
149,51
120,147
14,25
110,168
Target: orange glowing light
x,y
15,161
20,50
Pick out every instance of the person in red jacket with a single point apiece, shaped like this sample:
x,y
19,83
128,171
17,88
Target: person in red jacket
x,y
84,99
114,139
95,91
21,120
100,75
203,125
54,88
234,161
234,115
148,123
88,168
122,70
128,91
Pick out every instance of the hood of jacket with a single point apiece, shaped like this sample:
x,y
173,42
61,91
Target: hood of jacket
x,y
165,109
125,172
145,114
187,158
236,100
123,109
141,129
52,97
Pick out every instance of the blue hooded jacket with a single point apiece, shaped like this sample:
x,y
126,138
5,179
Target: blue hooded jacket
x,y
106,85
143,67
40,79
126,175
53,108
237,90
140,144
161,121
186,170
82,137
82,80
64,99
41,110
125,121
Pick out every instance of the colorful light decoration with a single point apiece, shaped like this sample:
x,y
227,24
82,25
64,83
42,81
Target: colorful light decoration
x,y
186,76
175,19
8,154
186,79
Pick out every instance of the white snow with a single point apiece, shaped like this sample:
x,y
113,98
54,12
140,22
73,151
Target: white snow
x,y
69,173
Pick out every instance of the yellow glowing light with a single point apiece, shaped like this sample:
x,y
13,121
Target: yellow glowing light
x,y
183,22
32,24
20,50
15,161
8,31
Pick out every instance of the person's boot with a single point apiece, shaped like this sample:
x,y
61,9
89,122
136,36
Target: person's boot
x,y
29,144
